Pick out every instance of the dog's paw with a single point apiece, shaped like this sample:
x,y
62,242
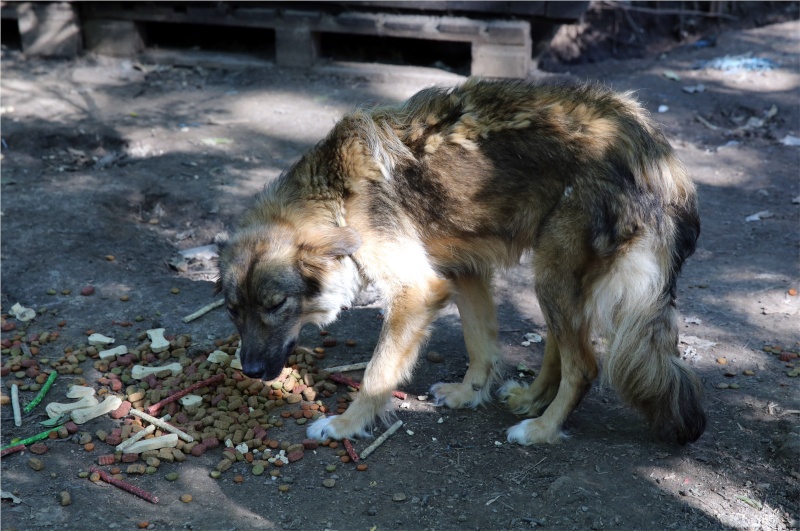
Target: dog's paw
x,y
457,395
337,427
534,431
516,396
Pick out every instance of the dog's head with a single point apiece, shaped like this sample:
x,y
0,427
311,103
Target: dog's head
x,y
276,278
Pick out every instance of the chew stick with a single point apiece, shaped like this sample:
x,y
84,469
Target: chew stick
x,y
214,380
42,392
204,310
15,405
133,489
347,368
344,380
350,450
12,450
35,438
380,440
121,447
163,425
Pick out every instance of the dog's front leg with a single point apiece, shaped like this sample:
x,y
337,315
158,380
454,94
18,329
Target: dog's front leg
x,y
408,316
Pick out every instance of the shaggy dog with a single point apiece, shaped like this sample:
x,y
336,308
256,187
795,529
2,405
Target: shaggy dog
x,y
427,198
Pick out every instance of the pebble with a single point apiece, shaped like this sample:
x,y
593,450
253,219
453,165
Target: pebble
x,y
38,448
434,357
399,497
66,499
329,483
283,488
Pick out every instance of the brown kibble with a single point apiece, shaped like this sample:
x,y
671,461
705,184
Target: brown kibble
x,y
722,361
89,447
110,257
361,467
36,464
748,373
124,298
143,524
350,342
108,459
329,342
38,448
186,498
333,444
345,459
283,488
94,477
792,292
788,356
238,478
87,291
65,498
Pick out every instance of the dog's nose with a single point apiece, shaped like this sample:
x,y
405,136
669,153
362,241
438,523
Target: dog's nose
x,y
253,368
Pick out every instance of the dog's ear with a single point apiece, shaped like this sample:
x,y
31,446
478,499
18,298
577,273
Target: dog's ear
x,y
332,242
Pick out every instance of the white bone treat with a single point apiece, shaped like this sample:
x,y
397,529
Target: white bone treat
x,y
56,409
236,363
165,441
139,371
22,313
114,352
79,391
157,341
218,357
80,416
162,423
191,400
124,445
100,339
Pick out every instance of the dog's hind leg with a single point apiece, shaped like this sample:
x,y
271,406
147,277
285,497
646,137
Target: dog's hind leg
x,y
409,314
479,323
531,400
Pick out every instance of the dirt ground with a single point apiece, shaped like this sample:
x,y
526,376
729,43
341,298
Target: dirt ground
x,y
110,167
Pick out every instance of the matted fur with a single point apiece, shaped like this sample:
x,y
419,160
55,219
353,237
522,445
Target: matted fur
x,y
427,198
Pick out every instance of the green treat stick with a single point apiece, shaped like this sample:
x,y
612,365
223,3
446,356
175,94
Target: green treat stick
x,y
42,392
33,439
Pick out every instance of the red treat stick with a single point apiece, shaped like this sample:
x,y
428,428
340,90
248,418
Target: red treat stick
x,y
136,491
350,450
214,380
12,450
344,380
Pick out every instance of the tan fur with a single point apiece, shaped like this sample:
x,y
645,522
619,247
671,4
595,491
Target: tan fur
x,y
427,198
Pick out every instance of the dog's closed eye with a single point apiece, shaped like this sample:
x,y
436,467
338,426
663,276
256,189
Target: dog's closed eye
x,y
275,306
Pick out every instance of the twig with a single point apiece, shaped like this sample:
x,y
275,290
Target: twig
x,y
29,440
344,380
708,124
12,450
163,425
204,310
133,489
654,11
380,440
15,405
350,450
348,368
214,380
42,392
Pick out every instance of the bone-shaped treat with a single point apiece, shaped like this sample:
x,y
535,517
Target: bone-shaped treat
x,y
139,371
79,416
100,339
157,341
120,350
165,441
79,391
191,400
56,409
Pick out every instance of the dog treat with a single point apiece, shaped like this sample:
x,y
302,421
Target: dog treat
x,y
12,450
43,391
156,443
15,405
214,380
139,372
163,425
35,438
80,416
204,310
136,491
350,450
218,357
120,350
380,440
22,313
80,391
99,339
56,409
344,380
157,341
191,400
124,445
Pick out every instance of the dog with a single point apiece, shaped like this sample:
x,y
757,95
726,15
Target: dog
x,y
427,198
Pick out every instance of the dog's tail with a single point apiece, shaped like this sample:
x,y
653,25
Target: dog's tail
x,y
634,302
